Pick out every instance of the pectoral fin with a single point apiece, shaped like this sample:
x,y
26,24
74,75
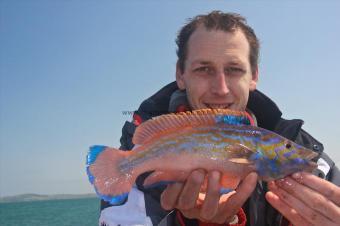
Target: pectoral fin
x,y
239,153
240,161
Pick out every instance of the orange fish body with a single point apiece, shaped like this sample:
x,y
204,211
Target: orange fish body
x,y
174,145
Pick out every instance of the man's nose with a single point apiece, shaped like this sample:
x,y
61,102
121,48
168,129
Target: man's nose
x,y
220,84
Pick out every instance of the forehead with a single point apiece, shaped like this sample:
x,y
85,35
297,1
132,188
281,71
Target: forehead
x,y
217,45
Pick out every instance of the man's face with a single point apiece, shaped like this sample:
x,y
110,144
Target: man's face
x,y
217,70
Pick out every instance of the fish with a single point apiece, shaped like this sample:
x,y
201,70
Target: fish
x,y
173,145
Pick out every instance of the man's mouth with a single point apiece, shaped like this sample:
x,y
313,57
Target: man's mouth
x,y
218,106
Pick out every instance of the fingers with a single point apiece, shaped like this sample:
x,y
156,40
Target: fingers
x,y
209,206
285,210
236,201
326,188
247,186
170,195
191,189
244,190
184,196
211,201
310,198
298,210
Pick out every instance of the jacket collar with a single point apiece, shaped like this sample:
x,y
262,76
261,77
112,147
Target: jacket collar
x,y
266,111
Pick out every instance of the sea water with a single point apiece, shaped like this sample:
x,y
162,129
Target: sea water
x,y
75,212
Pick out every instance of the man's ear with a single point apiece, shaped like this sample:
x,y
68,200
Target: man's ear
x,y
179,77
254,79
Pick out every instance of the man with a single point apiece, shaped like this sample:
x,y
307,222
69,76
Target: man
x,y
218,68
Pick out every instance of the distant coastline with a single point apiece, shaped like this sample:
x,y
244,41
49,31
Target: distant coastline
x,y
38,197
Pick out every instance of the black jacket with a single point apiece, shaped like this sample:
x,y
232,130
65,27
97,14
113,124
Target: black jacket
x,y
268,115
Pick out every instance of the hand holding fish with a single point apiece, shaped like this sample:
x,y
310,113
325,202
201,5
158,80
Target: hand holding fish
x,y
305,199
188,197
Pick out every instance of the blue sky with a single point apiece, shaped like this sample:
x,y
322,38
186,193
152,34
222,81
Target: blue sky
x,y
69,68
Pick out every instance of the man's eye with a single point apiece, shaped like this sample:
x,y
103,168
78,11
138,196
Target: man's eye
x,y
234,70
203,69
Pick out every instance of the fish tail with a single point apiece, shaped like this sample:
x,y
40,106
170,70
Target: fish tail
x,y
104,172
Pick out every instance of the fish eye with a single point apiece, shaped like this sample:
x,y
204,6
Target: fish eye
x,y
288,145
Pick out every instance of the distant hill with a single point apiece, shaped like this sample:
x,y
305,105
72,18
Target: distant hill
x,y
37,197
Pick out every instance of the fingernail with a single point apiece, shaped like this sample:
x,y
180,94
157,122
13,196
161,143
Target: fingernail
x,y
272,195
280,182
198,176
284,183
271,185
202,171
297,176
287,183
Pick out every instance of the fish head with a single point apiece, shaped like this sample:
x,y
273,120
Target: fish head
x,y
278,157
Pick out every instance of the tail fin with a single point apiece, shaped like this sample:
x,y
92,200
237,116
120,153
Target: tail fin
x,y
105,173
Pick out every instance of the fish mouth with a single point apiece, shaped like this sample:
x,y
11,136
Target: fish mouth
x,y
308,154
218,105
312,155
311,166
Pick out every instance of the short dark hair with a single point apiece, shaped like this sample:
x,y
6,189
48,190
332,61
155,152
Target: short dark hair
x,y
217,20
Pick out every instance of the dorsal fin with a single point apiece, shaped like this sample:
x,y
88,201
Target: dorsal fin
x,y
168,123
